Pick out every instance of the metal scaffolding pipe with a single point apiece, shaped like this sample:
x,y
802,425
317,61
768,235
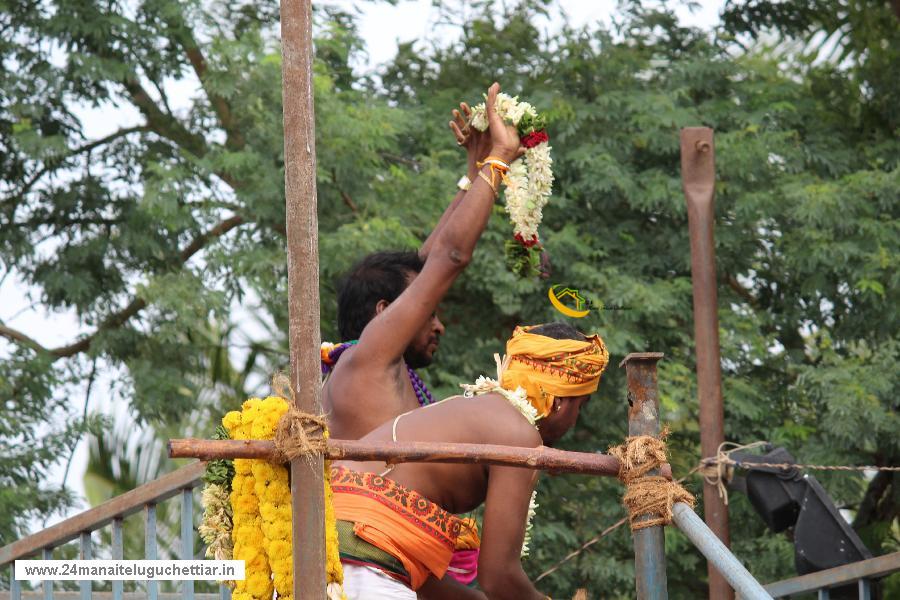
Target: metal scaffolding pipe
x,y
717,554
643,419
698,173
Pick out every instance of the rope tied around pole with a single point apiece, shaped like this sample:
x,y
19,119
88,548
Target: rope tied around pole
x,y
647,495
298,433
719,472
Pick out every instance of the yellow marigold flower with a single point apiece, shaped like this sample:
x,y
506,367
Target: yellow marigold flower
x,y
281,530
284,512
259,585
283,582
259,563
268,512
245,552
285,566
246,503
256,538
279,494
279,549
231,421
250,404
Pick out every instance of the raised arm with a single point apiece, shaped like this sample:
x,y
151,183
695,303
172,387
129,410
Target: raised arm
x,y
387,336
478,147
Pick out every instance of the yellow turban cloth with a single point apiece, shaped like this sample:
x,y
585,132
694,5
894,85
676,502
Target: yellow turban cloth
x,y
547,368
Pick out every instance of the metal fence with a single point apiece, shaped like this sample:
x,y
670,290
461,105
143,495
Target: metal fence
x,y
146,499
861,573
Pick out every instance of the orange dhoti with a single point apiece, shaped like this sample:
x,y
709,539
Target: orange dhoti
x,y
399,521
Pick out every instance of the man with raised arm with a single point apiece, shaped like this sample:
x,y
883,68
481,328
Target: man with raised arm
x,y
400,519
389,301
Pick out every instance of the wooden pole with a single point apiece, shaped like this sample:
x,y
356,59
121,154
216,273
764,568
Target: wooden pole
x,y
307,486
560,461
698,174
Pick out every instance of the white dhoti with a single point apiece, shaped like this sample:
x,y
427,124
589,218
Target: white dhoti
x,y
368,583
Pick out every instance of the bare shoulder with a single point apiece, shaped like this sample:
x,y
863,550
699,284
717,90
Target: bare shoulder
x,y
495,421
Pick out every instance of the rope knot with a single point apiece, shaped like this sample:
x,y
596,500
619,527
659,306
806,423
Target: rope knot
x,y
298,433
647,495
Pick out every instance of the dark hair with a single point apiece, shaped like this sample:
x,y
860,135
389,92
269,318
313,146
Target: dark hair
x,y
558,331
378,276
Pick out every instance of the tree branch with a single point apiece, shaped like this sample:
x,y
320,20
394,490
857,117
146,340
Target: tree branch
x,y
57,162
163,124
234,139
868,508
344,195
741,291
134,307
21,339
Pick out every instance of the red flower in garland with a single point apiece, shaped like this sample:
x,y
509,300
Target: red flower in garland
x,y
527,243
534,138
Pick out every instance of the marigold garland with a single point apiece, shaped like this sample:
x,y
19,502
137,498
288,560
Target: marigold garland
x,y
260,509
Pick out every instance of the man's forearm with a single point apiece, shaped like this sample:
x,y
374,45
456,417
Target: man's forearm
x,y
465,225
471,173
426,247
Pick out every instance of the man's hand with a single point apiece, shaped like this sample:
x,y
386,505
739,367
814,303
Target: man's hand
x,y
504,137
477,143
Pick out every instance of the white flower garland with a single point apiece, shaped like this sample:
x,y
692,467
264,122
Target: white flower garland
x,y
519,400
530,178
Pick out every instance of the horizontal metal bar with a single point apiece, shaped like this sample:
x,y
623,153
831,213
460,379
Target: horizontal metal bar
x,y
863,569
542,457
715,552
100,516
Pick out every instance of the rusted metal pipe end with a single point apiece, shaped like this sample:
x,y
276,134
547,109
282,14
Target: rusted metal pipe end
x,y
654,356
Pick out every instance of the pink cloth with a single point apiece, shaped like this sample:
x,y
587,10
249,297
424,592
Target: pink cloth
x,y
464,566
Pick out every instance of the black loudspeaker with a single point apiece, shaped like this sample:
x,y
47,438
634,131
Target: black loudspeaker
x,y
788,500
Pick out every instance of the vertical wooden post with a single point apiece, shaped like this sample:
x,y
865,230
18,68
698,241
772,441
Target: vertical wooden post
x,y
698,174
643,419
307,486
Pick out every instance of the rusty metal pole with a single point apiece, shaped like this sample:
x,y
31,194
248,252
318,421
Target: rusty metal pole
x,y
307,485
643,419
698,174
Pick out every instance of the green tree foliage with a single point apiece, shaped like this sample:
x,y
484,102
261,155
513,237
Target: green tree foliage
x,y
157,229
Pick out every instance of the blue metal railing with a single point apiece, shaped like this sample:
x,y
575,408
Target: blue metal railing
x,y
862,573
146,499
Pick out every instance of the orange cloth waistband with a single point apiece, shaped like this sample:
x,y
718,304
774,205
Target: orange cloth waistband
x,y
402,522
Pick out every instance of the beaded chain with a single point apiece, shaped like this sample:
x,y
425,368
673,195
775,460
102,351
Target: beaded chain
x,y
423,394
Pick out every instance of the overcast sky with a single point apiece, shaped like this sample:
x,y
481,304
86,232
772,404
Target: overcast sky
x,y
382,27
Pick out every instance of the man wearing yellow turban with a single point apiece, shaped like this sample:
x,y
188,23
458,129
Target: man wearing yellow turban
x,y
403,526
